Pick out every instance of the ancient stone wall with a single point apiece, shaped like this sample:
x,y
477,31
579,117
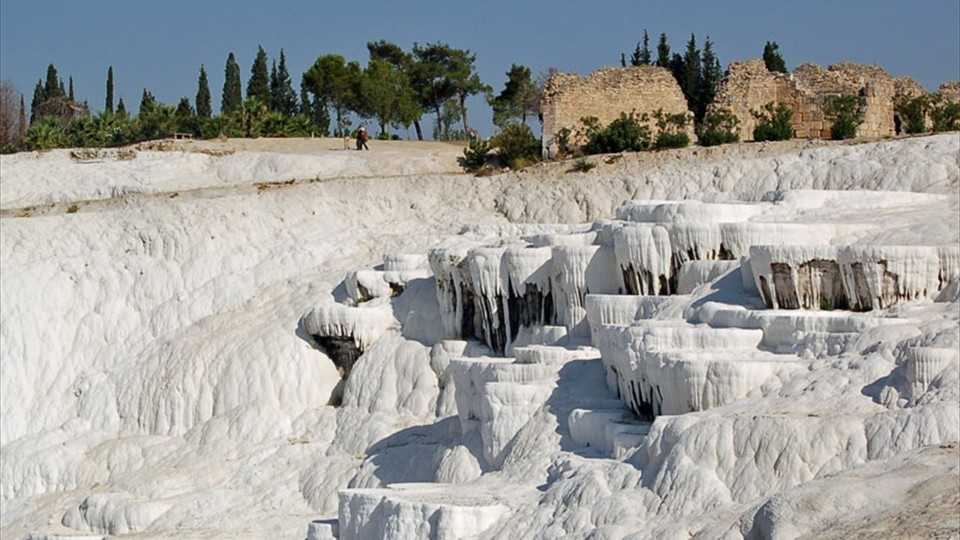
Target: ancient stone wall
x,y
907,87
950,90
749,86
605,94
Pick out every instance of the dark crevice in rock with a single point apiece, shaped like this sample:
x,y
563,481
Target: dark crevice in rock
x,y
343,352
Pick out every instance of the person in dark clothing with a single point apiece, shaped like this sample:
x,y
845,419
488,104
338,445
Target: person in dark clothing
x,y
362,138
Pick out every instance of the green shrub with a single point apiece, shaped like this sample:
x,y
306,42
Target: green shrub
x,y
563,142
516,146
846,113
156,122
719,126
625,134
474,155
944,114
775,123
667,140
582,165
913,114
46,135
671,130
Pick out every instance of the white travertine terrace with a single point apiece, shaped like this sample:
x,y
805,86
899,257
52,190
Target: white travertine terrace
x,y
170,365
578,271
362,325
403,511
861,278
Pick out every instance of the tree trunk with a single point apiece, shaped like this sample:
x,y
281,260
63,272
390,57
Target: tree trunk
x,y
416,124
383,129
463,112
439,122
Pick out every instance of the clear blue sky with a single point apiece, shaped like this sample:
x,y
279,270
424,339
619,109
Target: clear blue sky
x,y
160,45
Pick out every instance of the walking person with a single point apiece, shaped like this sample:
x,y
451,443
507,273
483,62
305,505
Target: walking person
x,y
362,138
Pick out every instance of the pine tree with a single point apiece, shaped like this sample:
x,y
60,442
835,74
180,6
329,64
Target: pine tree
x,y
39,96
147,101
204,109
70,92
663,52
645,56
772,57
259,84
121,108
284,98
184,109
53,88
710,79
691,74
108,104
231,97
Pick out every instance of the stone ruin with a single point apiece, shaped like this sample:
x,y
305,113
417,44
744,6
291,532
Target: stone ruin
x,y
950,90
605,94
749,86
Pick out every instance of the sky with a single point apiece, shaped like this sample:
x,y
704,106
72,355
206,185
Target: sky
x,y
161,46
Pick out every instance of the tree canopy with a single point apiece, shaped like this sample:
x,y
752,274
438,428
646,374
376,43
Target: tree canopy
x,y
231,98
772,57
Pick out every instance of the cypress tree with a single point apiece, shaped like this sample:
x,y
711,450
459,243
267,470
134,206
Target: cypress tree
x,y
39,96
284,98
623,60
678,70
108,104
121,108
259,84
70,92
147,101
772,57
204,109
663,52
231,98
274,86
53,87
710,79
634,56
22,121
645,56
691,74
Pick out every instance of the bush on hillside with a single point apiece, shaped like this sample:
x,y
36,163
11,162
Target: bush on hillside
x,y
913,114
671,130
46,134
625,134
719,126
847,115
516,146
775,123
474,155
944,114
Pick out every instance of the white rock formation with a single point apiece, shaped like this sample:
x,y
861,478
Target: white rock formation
x,y
162,372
